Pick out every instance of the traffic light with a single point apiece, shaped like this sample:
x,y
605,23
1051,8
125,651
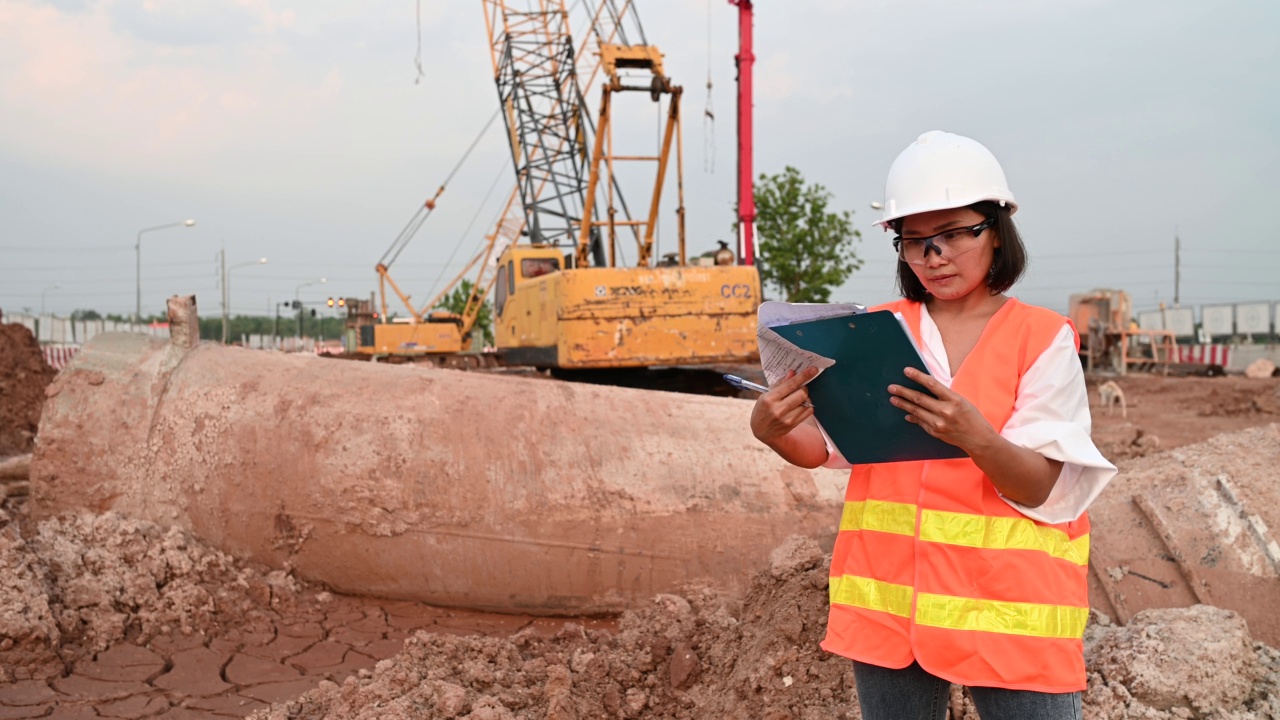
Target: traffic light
x,y
342,302
329,302
313,312
296,305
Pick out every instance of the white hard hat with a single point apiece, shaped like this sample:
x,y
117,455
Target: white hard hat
x,y
940,171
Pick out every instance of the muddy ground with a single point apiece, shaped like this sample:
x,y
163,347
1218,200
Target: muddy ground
x,y
106,616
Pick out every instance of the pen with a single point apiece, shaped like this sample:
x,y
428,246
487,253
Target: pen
x,y
740,383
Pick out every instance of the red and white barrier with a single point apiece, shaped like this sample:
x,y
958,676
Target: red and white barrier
x,y
1205,354
58,356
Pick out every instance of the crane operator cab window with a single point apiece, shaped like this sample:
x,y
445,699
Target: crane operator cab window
x,y
534,267
500,299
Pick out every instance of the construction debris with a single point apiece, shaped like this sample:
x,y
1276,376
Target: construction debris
x,y
1192,525
1260,368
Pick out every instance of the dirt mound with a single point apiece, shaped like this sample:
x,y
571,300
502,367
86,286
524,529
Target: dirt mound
x,y
697,656
80,584
1199,658
23,378
689,656
1129,442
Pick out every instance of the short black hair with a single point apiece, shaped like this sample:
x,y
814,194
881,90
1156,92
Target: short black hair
x,y
1007,267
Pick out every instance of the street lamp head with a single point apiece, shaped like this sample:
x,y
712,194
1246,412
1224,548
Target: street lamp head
x,y
262,261
324,280
876,205
188,223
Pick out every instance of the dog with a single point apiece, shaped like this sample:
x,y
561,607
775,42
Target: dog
x,y
1111,395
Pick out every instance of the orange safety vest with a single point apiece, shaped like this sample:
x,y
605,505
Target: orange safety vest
x,y
931,565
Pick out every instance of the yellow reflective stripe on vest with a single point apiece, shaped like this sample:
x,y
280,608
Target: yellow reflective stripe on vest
x,y
1011,618
976,531
871,594
890,517
1001,533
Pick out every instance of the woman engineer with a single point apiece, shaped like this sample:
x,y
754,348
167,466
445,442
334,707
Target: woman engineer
x,y
974,570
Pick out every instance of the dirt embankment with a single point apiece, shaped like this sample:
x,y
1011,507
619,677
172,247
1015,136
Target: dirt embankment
x,y
74,586
23,377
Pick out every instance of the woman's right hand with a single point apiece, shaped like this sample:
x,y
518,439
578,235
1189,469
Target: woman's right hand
x,y
782,409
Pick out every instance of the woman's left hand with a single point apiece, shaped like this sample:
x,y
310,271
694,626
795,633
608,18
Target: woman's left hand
x,y
947,416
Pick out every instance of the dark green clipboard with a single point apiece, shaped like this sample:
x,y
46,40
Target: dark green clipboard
x,y
851,398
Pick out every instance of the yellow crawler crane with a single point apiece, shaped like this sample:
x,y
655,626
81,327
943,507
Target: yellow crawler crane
x,y
563,299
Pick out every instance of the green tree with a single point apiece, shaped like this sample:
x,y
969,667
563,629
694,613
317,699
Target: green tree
x,y
456,302
85,315
804,249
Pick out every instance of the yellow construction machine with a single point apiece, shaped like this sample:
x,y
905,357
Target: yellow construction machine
x,y
565,295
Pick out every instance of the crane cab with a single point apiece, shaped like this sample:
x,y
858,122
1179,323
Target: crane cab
x,y
549,314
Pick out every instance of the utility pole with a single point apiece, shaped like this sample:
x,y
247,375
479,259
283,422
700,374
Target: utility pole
x,y
1177,265
225,299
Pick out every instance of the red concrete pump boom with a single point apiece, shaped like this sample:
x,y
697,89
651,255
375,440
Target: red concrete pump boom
x,y
746,196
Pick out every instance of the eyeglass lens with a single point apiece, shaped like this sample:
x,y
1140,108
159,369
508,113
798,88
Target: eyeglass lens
x,y
949,244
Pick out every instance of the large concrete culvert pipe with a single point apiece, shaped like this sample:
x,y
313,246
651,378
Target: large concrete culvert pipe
x,y
453,488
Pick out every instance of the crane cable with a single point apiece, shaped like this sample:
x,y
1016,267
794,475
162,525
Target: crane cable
x,y
417,57
708,114
419,217
447,263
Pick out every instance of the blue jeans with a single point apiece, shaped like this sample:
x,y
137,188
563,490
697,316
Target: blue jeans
x,y
913,694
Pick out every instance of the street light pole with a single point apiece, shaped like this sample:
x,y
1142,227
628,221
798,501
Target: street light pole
x,y
137,249
226,289
54,286
297,299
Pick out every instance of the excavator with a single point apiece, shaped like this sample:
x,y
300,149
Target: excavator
x,y
565,296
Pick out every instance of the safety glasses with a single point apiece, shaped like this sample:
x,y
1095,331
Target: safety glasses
x,y
949,244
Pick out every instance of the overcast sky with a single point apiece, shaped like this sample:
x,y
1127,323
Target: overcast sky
x,y
300,131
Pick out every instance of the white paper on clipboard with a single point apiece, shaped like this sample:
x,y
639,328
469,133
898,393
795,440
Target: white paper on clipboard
x,y
777,355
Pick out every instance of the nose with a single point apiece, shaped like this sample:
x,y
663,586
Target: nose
x,y
934,259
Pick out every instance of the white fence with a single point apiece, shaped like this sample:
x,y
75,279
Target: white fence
x,y
56,330
1248,322
61,338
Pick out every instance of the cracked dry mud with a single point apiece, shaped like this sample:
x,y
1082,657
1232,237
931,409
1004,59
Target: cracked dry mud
x,y
152,624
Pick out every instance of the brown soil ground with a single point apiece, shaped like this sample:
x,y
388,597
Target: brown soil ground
x,y
23,378
1169,412
104,616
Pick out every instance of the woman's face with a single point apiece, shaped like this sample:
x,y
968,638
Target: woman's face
x,y
963,265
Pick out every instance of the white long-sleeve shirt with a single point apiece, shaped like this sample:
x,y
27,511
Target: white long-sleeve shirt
x,y
1050,416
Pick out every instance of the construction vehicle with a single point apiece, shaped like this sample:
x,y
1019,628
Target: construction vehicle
x,y
566,297
1109,337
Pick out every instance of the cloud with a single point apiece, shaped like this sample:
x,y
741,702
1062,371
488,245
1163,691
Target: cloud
x,y
69,5
185,23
